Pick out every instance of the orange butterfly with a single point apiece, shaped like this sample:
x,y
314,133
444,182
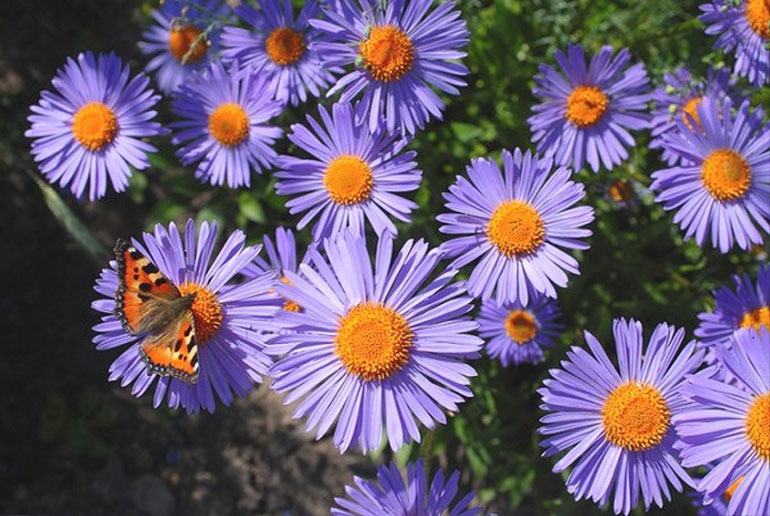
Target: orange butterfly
x,y
147,302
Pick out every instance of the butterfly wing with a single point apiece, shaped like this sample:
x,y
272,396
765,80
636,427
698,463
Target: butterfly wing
x,y
173,352
143,291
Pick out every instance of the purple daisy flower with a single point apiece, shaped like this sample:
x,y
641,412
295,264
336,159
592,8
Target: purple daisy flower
x,y
390,496
729,425
402,51
616,424
745,30
89,132
517,333
354,175
183,30
228,318
517,222
723,183
224,129
281,48
680,97
375,347
587,113
736,311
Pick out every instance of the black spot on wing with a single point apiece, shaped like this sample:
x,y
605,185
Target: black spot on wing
x,y
150,268
145,287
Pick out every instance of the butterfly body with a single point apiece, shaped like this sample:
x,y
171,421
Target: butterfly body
x,y
148,304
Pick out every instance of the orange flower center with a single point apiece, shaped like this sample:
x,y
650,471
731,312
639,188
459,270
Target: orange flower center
x,y
635,416
284,46
206,309
757,318
691,108
730,491
388,53
586,105
758,426
94,126
521,326
289,305
229,125
516,228
373,341
348,180
758,14
726,175
621,191
182,39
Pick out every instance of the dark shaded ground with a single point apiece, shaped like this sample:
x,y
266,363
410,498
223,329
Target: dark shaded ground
x,y
70,443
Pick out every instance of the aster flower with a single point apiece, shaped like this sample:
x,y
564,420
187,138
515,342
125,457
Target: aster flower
x,y
88,132
228,318
376,350
680,97
517,222
616,424
402,51
723,183
729,425
223,127
735,311
745,30
586,114
353,175
390,496
183,31
517,333
280,47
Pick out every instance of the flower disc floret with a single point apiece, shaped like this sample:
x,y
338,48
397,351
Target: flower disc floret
x,y
348,179
229,124
758,426
186,39
94,126
690,110
206,309
757,318
516,228
758,14
521,326
635,416
388,53
285,46
586,105
726,175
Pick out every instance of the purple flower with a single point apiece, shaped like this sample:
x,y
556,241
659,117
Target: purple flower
x,y
680,97
376,349
390,496
736,311
745,30
586,113
280,48
401,52
229,318
353,175
182,30
90,131
517,333
723,182
517,222
729,425
223,114
615,425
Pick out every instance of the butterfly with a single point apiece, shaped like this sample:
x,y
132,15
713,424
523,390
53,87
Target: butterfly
x,y
147,303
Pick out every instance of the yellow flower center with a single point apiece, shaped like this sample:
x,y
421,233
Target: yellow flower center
x,y
635,416
621,191
691,108
348,180
586,105
288,305
521,326
516,228
181,39
758,426
757,318
726,175
388,53
285,46
730,491
206,310
229,125
94,126
758,14
373,341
